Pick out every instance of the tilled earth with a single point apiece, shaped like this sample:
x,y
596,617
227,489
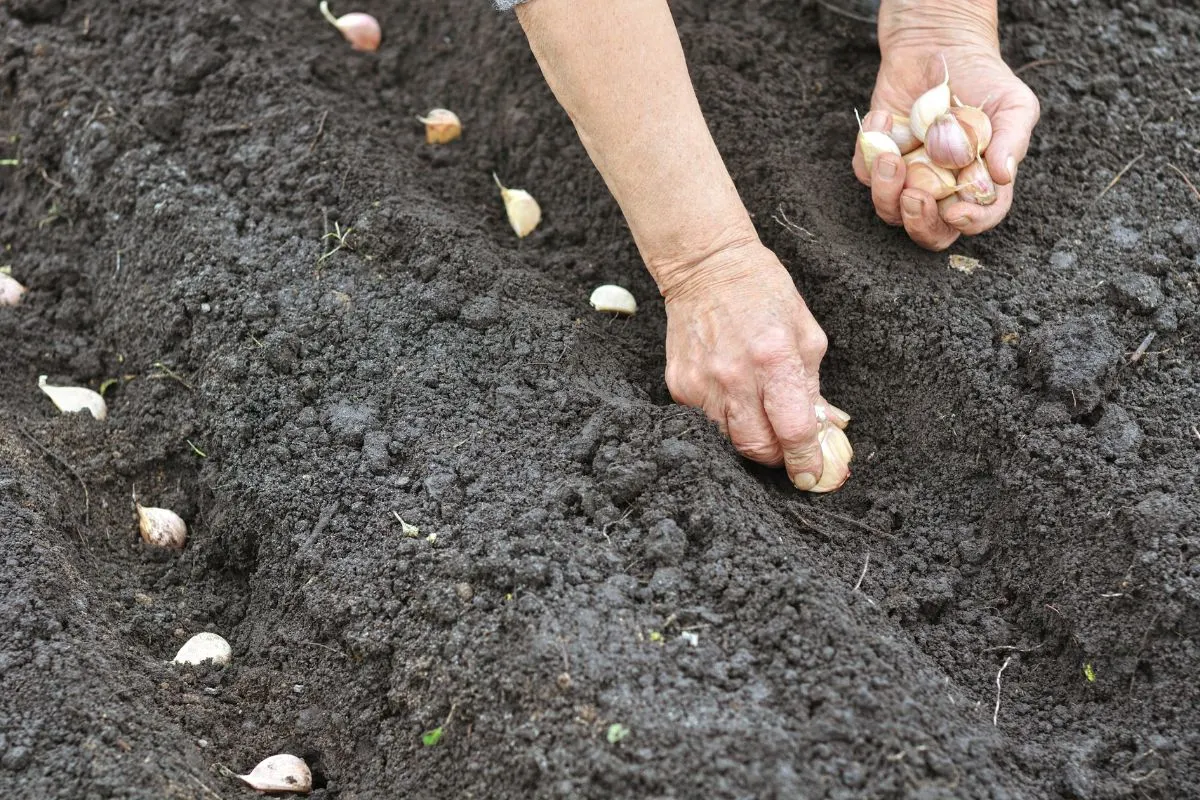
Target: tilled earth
x,y
1025,493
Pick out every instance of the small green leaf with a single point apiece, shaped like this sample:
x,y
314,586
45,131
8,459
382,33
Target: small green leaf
x,y
616,732
1089,673
431,738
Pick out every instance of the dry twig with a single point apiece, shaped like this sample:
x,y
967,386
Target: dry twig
x,y
1117,178
87,499
996,713
1186,179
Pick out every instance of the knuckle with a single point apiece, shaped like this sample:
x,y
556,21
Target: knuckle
x,y
760,451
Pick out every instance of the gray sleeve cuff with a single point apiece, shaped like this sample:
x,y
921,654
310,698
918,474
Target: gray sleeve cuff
x,y
505,5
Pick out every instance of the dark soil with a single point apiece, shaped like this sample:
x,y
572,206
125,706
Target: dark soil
x,y
1024,494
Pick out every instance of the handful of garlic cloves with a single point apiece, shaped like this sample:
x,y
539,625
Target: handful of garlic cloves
x,y
942,141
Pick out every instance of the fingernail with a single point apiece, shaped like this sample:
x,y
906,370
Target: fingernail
x,y
886,168
837,414
805,481
960,222
878,121
911,206
1011,164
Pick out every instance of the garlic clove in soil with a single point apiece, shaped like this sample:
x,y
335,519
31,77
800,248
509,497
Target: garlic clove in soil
x,y
441,126
204,647
873,144
360,30
837,453
613,299
930,106
73,399
975,184
161,527
925,175
280,774
523,211
11,291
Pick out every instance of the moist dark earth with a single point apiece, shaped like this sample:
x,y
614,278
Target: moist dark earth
x,y
1024,495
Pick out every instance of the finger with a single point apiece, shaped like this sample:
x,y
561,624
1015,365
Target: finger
x,y
886,185
971,218
922,221
788,402
1013,118
751,432
832,413
875,121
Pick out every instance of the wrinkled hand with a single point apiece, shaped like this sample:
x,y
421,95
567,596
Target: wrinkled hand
x,y
742,346
913,38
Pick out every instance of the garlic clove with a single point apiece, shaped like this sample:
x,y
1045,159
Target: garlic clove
x,y
873,143
925,175
901,133
204,647
978,123
949,144
523,211
975,184
11,291
72,399
836,415
161,527
614,299
360,30
837,454
280,774
441,126
930,105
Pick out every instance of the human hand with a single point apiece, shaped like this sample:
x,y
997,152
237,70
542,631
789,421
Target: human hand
x,y
742,346
913,40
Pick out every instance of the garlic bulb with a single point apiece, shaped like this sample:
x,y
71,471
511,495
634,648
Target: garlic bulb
x,y
204,647
610,298
837,453
11,291
930,105
975,184
441,126
925,175
978,123
280,774
360,30
874,143
523,211
72,399
901,133
161,527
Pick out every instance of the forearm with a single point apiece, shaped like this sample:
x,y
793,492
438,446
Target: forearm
x,y
618,70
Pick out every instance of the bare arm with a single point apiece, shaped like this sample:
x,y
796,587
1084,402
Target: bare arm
x,y
741,343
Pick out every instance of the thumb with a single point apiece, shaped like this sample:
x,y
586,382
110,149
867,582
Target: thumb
x,y
1012,125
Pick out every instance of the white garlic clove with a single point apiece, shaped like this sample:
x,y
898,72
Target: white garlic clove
x,y
360,30
441,126
976,121
72,399
161,527
523,211
901,133
613,299
923,174
975,184
949,143
834,415
874,143
930,106
280,774
204,647
837,454
11,291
